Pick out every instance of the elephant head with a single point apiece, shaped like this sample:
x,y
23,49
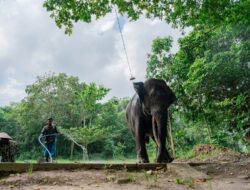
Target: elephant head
x,y
155,98
155,95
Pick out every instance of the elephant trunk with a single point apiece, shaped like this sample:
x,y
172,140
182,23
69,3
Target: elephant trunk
x,y
155,131
159,125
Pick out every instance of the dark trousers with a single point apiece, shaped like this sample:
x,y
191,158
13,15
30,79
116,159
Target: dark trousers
x,y
51,146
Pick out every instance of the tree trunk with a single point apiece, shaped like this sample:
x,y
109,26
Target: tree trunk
x,y
208,129
206,123
90,121
84,122
85,152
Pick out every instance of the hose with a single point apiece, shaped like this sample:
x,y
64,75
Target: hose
x,y
46,149
81,146
56,134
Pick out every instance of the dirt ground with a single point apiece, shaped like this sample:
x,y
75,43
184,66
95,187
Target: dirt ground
x,y
178,176
212,168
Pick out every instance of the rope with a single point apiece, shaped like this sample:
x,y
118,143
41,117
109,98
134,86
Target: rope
x,y
124,46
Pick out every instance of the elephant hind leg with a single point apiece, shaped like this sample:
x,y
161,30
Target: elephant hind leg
x,y
147,139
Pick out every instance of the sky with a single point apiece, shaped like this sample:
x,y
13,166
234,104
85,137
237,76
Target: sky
x,y
31,45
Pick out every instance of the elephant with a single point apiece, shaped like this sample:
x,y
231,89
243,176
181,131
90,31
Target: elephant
x,y
147,116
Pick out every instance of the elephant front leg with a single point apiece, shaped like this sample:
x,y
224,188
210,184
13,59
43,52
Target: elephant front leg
x,y
142,156
163,156
160,137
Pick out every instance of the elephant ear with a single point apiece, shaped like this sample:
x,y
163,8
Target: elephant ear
x,y
139,89
172,97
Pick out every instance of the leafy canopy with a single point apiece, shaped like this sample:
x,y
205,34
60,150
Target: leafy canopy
x,y
210,75
178,12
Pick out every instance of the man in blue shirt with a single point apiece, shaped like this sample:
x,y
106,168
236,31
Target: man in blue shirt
x,y
50,132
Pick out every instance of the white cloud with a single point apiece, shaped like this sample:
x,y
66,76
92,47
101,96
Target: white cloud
x,y
12,90
31,44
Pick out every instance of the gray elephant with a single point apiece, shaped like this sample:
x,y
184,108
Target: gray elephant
x,y
147,116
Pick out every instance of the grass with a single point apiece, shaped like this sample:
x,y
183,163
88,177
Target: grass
x,y
30,169
26,161
189,182
185,155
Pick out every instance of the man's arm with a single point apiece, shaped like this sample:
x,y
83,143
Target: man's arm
x,y
56,131
43,132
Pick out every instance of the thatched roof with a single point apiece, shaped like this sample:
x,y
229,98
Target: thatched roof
x,y
4,135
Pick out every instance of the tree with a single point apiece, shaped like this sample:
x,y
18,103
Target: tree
x,y
224,77
88,99
50,96
7,123
210,75
87,135
181,13
119,142
69,102
160,58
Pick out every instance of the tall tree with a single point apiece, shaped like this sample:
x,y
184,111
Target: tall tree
x,y
210,75
89,98
50,96
159,58
84,136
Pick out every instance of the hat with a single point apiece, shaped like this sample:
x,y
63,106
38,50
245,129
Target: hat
x,y
50,118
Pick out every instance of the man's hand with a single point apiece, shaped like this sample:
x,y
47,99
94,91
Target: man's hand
x,y
61,134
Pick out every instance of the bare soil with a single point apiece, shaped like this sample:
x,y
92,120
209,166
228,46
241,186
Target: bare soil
x,y
223,171
220,176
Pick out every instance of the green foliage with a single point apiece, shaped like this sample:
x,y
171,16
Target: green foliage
x,y
189,182
151,149
76,108
7,123
179,13
210,76
160,59
151,178
112,114
88,135
88,100
30,169
119,152
50,96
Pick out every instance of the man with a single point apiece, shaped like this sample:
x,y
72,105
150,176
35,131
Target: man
x,y
50,132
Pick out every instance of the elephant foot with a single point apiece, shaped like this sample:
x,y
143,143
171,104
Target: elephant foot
x,y
166,158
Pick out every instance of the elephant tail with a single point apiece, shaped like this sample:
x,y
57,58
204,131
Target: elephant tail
x,y
155,132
